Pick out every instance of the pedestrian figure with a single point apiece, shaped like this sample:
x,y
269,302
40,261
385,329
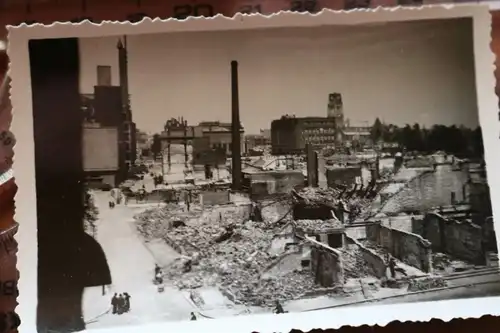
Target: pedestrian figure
x,y
278,309
159,278
114,304
392,267
121,304
193,317
126,297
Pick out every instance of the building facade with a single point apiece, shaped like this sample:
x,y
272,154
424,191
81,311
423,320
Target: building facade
x,y
289,135
109,107
219,135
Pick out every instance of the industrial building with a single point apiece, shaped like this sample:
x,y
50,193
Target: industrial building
x,y
219,135
109,107
290,135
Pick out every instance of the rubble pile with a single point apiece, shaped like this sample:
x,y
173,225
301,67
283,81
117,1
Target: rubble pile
x,y
358,206
378,249
327,196
318,226
230,253
440,261
355,266
426,284
287,287
277,210
156,222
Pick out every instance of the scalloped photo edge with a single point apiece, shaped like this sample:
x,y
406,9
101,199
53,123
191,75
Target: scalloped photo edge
x,y
22,96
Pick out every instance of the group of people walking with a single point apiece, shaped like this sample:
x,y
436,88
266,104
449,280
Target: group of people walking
x,y
120,303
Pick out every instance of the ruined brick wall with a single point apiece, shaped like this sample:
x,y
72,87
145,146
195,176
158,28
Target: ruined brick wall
x,y
264,185
461,239
209,198
374,262
410,248
342,176
426,191
233,213
326,265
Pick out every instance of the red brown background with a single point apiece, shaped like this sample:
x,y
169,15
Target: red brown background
x,y
13,12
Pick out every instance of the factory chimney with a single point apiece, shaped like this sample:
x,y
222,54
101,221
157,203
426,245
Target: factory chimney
x,y
235,128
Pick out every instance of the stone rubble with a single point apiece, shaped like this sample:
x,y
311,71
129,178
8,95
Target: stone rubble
x,y
235,264
354,265
426,284
318,226
359,206
221,247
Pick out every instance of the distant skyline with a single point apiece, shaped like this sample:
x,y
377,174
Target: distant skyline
x,y
401,73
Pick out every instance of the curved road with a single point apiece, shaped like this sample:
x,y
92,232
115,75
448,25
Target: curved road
x,y
132,270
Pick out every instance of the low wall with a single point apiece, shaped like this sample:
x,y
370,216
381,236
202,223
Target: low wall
x,y
210,198
410,248
375,262
326,264
461,239
342,176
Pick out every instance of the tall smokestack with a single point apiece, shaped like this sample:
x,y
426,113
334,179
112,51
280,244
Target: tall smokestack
x,y
123,71
235,128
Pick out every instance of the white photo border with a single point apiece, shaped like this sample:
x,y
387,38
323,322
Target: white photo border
x,y
24,166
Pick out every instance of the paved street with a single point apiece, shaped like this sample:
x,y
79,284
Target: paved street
x,y
132,270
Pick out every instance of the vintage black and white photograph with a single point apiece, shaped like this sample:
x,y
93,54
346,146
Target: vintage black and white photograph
x,y
203,175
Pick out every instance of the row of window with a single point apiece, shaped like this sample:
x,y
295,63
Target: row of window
x,y
319,124
224,146
318,131
322,138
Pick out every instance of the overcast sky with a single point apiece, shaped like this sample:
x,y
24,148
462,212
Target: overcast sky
x,y
402,73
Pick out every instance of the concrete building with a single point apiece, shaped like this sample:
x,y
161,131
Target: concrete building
x,y
101,155
356,135
262,184
289,135
256,140
109,107
219,135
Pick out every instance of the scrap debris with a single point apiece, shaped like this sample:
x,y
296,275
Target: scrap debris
x,y
426,283
229,252
220,246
